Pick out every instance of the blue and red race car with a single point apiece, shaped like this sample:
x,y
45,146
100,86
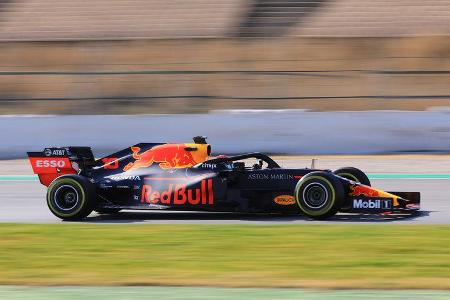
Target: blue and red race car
x,y
155,176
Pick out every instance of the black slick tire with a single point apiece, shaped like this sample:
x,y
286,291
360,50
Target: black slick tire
x,y
353,174
319,195
71,197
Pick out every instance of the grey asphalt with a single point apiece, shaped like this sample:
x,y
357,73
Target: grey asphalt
x,y
208,293
24,202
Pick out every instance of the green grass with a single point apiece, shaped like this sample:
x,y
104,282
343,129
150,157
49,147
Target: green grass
x,y
347,256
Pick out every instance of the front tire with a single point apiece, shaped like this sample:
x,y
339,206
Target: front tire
x,y
319,195
71,197
353,174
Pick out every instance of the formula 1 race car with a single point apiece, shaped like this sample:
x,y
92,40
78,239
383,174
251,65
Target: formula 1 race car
x,y
183,177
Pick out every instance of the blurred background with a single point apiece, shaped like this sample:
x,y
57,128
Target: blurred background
x,y
102,57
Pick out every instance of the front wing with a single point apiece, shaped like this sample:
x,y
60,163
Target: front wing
x,y
403,202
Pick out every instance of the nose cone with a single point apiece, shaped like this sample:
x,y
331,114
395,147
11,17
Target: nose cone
x,y
371,192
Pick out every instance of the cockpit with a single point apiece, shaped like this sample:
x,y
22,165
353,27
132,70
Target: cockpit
x,y
244,162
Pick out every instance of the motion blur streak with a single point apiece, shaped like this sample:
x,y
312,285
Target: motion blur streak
x,y
190,293
123,57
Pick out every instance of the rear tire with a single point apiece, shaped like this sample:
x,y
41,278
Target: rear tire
x,y
71,197
353,174
319,195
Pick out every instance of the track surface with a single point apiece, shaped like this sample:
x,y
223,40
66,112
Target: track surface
x,y
24,201
191,293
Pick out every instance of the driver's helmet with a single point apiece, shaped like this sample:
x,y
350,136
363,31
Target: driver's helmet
x,y
229,165
225,165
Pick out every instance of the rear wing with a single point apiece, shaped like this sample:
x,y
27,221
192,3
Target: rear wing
x,y
54,162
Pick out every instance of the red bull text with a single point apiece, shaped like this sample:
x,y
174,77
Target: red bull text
x,y
179,194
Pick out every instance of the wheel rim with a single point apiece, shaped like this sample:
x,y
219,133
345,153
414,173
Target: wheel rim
x,y
315,195
66,197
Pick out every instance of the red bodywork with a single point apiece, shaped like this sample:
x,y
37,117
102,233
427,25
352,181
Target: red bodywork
x,y
363,190
168,156
48,168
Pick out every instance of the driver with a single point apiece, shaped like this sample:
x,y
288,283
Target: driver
x,y
258,166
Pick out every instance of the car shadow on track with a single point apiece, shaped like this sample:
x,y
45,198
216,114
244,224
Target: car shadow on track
x,y
172,217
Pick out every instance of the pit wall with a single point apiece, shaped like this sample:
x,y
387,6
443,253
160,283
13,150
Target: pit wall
x,y
284,131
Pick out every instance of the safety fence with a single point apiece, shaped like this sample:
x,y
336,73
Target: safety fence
x,y
282,131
